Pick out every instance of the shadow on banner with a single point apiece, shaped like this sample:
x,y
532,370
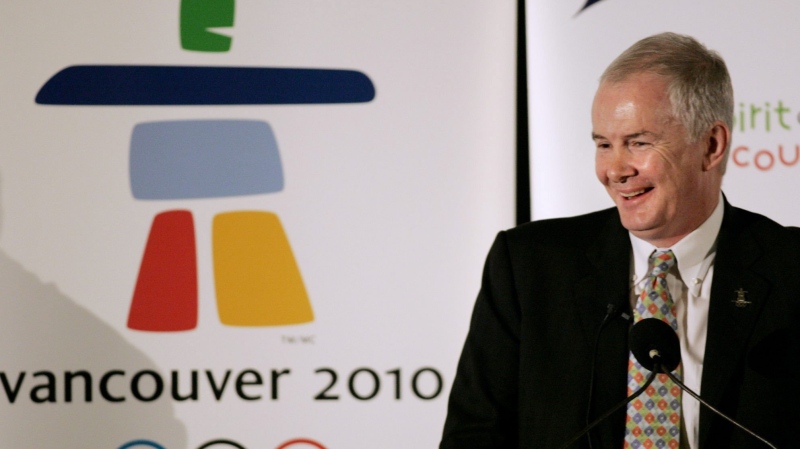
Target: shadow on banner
x,y
43,335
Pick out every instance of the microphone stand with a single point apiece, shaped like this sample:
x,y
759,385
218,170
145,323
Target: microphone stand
x,y
658,368
657,360
597,421
650,337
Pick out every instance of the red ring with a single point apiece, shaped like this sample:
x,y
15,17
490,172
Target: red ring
x,y
300,440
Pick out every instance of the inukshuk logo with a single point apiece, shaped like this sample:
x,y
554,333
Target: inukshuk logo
x,y
257,280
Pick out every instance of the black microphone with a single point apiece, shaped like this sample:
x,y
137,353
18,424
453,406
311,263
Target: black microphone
x,y
611,312
652,339
656,347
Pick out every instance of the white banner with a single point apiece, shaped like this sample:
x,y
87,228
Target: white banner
x,y
568,49
251,224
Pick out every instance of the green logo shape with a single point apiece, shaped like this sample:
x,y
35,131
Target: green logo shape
x,y
197,16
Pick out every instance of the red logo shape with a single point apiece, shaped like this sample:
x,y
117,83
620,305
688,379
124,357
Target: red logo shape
x,y
165,298
291,443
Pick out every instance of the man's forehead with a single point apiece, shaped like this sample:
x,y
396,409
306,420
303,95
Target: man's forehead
x,y
634,97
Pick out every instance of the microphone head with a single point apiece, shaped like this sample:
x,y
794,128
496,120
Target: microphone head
x,y
652,334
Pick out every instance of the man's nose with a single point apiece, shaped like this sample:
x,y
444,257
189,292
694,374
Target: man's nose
x,y
620,168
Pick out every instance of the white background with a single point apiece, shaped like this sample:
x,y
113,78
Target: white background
x,y
390,207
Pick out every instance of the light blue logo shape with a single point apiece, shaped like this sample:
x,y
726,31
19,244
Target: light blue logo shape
x,y
204,159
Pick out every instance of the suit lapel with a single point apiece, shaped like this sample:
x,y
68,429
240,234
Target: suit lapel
x,y
608,283
730,323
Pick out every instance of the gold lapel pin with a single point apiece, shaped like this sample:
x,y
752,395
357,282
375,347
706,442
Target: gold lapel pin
x,y
740,300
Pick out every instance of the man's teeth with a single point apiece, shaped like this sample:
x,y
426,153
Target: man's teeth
x,y
632,194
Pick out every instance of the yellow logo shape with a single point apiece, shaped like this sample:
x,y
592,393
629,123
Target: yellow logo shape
x,y
257,279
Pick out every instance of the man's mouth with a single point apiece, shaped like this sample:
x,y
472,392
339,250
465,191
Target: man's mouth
x,y
635,194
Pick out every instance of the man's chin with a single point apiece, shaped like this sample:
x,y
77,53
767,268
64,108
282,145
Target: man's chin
x,y
639,228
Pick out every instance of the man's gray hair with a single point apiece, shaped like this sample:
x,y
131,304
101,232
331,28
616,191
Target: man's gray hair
x,y
699,89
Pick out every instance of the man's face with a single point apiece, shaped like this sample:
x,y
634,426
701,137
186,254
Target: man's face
x,y
658,179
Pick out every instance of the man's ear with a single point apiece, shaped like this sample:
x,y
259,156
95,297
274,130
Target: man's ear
x,y
716,143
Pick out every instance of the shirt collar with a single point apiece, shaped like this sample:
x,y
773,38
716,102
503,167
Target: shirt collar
x,y
690,251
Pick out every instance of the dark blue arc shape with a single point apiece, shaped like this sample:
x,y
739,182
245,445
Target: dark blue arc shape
x,y
128,85
590,3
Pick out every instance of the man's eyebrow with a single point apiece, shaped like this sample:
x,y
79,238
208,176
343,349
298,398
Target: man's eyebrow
x,y
596,136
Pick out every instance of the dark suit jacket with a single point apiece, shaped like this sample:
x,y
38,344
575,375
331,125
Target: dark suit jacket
x,y
524,376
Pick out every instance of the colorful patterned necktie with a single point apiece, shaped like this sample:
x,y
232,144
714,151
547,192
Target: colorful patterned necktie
x,y
654,417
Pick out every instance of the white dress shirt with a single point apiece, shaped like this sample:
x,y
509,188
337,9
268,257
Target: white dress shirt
x,y
689,285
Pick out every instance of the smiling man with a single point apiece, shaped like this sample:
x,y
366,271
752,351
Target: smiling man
x,y
664,182
548,347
